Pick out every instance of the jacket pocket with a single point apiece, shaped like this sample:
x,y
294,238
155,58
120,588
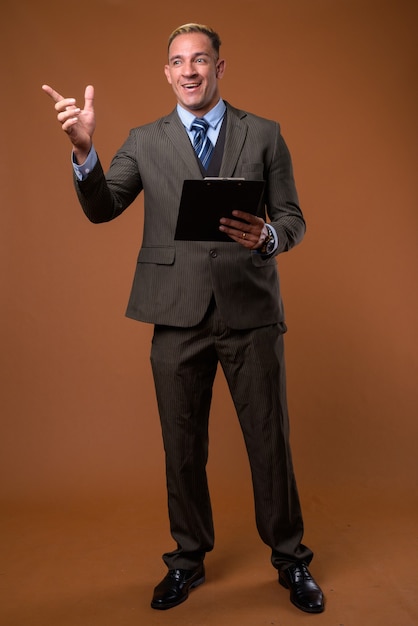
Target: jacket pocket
x,y
158,255
260,261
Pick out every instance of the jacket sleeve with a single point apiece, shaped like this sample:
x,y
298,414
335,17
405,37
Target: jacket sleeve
x,y
105,196
281,197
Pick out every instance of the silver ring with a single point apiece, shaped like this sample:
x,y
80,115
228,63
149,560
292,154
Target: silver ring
x,y
244,235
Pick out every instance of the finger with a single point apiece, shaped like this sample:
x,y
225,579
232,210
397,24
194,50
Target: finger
x,y
89,98
68,125
244,240
70,114
248,217
238,225
241,234
61,104
57,97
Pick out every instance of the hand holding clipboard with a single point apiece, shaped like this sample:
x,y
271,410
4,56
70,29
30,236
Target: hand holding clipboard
x,y
205,201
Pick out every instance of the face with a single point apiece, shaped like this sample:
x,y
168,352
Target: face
x,y
193,72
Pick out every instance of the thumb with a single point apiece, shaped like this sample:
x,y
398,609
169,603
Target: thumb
x,y
89,98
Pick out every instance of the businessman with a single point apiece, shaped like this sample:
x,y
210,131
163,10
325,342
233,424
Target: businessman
x,y
210,301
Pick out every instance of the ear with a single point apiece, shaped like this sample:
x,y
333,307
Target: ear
x,y
167,73
220,68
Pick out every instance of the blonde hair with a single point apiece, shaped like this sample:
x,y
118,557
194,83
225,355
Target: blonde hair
x,y
186,29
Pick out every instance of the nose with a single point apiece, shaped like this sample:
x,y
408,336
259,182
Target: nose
x,y
189,69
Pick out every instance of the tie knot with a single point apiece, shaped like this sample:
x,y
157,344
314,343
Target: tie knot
x,y
200,124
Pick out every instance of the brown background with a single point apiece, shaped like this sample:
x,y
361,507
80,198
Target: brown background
x,y
78,407
79,425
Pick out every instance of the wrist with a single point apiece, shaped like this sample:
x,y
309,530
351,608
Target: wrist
x,y
80,154
268,243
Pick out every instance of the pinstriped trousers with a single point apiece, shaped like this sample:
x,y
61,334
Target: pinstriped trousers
x,y
184,363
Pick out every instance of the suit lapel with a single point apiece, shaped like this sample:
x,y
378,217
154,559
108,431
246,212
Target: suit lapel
x,y
236,132
177,134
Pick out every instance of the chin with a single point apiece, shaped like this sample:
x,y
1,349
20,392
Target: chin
x,y
191,106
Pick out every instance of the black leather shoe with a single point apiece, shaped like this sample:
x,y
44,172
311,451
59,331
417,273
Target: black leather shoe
x,y
174,587
304,592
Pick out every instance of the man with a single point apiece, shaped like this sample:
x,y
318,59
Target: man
x,y
209,301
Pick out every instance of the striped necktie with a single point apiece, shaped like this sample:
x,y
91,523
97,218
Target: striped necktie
x,y
202,144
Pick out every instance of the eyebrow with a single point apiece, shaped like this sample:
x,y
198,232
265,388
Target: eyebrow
x,y
196,54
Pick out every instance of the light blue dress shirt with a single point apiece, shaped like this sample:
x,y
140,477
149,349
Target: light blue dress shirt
x,y
214,118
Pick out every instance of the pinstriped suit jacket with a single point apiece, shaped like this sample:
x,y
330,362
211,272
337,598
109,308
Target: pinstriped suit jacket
x,y
175,280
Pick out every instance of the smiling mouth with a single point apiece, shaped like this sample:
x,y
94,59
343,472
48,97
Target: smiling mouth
x,y
191,85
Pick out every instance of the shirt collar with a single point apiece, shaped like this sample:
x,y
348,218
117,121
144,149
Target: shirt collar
x,y
213,117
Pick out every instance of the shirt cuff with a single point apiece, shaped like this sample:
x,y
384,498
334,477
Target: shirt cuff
x,y
83,170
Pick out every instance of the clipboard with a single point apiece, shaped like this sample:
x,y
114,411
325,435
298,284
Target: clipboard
x,y
204,201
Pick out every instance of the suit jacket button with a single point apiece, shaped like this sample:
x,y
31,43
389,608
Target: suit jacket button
x,y
213,253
